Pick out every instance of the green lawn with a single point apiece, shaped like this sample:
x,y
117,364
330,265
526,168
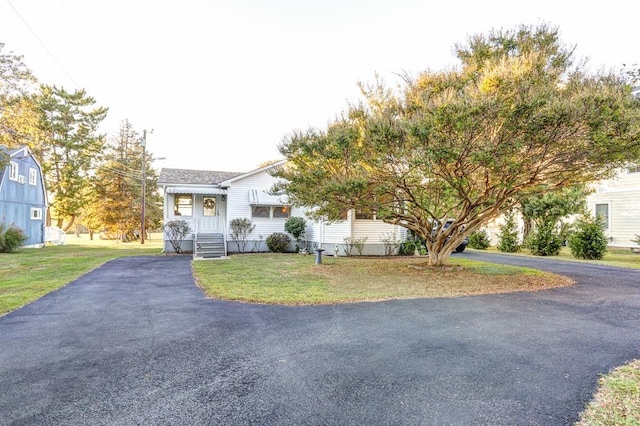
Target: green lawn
x,y
614,257
617,401
29,274
295,279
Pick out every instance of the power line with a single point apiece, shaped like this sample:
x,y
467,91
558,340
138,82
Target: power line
x,y
42,43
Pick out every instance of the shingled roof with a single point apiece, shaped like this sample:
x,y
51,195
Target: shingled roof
x,y
193,177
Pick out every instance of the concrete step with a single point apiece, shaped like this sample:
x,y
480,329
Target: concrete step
x,y
210,245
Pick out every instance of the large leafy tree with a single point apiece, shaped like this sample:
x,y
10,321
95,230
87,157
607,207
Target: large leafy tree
x,y
518,118
18,114
73,146
117,188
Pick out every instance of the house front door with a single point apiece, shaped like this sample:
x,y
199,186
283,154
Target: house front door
x,y
209,214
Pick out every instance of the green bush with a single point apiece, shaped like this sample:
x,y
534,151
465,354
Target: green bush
x,y
589,240
278,242
11,237
479,240
544,241
407,248
297,227
508,235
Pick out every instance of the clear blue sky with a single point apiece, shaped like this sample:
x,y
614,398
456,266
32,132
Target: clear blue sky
x,y
221,82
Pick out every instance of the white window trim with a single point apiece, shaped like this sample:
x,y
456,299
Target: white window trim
x,y
271,209
262,217
36,213
175,198
13,171
33,176
595,212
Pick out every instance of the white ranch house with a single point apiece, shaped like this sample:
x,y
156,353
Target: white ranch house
x,y
210,200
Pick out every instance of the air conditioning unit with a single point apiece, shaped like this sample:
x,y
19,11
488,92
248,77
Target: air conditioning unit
x,y
21,179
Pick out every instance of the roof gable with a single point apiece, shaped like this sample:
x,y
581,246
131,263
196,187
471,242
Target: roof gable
x,y
8,154
252,172
22,152
193,177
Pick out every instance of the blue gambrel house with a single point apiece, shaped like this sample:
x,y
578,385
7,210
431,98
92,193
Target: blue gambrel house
x,y
23,198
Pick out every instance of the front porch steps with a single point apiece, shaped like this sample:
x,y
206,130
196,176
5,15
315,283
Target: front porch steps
x,y
209,245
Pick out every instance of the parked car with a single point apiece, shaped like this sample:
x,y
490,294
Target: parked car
x,y
463,244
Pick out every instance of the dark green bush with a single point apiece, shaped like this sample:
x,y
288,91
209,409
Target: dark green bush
x,y
278,242
544,241
296,226
589,240
479,240
508,235
407,248
11,237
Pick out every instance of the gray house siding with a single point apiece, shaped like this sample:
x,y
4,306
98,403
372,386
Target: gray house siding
x,y
22,199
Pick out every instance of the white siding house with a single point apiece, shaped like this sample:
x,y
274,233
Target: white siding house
x,y
617,202
210,200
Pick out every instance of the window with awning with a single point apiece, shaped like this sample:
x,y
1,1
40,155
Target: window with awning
x,y
268,206
263,198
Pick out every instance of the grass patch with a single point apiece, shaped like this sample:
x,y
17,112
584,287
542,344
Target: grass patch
x,y
29,274
617,400
624,258
294,279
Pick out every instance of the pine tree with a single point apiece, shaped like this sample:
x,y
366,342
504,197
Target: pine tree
x,y
116,197
72,147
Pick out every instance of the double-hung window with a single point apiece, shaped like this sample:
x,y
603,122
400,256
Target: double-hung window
x,y
33,176
13,171
183,205
602,213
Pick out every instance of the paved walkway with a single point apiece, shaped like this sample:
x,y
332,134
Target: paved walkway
x,y
136,342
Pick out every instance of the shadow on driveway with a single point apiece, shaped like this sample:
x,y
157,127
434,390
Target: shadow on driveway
x,y
136,342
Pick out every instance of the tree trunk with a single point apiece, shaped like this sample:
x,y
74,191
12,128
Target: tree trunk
x,y
69,225
440,250
527,226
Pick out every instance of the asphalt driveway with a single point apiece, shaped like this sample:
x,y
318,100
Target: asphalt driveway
x,y
136,342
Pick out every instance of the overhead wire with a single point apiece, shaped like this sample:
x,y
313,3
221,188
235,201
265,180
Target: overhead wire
x,y
42,43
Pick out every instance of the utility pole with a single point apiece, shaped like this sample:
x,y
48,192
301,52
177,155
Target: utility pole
x,y
143,142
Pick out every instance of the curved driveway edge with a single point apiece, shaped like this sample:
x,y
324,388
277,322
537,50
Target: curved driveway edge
x,y
136,342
